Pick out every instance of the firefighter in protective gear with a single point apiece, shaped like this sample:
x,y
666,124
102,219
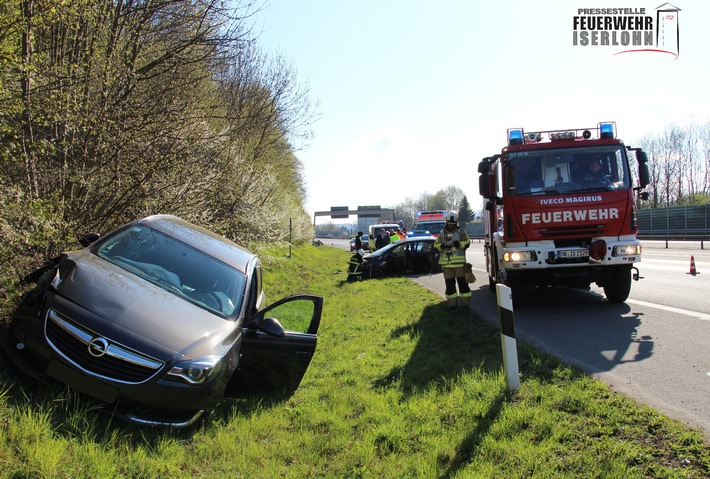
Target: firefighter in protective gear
x,y
355,266
452,243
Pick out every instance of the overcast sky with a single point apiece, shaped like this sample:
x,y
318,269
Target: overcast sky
x,y
414,93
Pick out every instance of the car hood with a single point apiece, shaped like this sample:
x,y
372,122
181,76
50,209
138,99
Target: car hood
x,y
137,313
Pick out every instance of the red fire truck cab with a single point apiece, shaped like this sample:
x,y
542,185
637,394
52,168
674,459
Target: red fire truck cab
x,y
560,210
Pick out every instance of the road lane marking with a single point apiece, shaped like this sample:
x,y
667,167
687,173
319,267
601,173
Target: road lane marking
x,y
671,309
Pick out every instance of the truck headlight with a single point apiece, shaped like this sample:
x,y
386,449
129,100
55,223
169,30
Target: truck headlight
x,y
519,256
197,371
626,250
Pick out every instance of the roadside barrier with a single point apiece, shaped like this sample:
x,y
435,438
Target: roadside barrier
x,y
507,337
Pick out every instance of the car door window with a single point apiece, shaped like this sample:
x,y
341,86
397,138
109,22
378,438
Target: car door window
x,y
294,316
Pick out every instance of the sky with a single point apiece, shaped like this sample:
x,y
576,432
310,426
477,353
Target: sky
x,y
413,94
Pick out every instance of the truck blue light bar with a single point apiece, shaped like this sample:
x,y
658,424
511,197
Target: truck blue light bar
x,y
607,130
515,136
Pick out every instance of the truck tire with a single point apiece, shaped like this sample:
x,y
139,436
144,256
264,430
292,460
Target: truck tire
x,y
618,284
516,284
516,293
493,270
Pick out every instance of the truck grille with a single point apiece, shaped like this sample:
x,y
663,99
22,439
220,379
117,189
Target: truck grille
x,y
96,355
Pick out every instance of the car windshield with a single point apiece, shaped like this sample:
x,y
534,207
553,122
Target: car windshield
x,y
384,249
401,244
566,170
176,267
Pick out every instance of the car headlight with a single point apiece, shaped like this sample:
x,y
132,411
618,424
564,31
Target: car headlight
x,y
626,250
519,256
197,371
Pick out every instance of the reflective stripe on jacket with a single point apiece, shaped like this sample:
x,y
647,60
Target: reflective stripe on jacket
x,y
452,257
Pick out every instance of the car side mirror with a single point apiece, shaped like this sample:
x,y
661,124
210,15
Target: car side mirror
x,y
89,238
270,326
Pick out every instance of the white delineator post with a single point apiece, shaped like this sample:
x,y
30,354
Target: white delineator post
x,y
507,337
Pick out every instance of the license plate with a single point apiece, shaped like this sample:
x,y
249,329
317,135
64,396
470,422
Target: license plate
x,y
573,253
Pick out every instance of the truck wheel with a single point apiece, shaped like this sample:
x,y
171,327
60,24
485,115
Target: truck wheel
x,y
516,292
618,285
515,283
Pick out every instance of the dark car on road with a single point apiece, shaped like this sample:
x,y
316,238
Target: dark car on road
x,y
365,243
415,255
158,320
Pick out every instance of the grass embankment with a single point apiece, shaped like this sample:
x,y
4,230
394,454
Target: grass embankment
x,y
400,387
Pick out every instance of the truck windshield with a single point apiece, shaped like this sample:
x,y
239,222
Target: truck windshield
x,y
566,170
433,227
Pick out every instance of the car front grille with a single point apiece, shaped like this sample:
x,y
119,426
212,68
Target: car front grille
x,y
96,355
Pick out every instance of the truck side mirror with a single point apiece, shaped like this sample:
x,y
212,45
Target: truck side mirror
x,y
644,171
483,181
483,187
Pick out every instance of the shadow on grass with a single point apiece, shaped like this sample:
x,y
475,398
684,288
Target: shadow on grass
x,y
449,342
471,443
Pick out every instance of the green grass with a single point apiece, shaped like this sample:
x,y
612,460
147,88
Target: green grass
x,y
400,387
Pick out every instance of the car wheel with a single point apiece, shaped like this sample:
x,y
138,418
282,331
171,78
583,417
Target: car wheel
x,y
377,273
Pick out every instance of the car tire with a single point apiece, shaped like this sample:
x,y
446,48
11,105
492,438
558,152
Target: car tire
x,y
377,273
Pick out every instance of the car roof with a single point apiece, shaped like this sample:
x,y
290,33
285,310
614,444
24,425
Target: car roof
x,y
202,239
410,239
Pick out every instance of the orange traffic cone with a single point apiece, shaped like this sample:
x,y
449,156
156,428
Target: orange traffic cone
x,y
692,266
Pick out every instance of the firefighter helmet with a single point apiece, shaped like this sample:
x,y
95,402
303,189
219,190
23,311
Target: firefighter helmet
x,y
452,217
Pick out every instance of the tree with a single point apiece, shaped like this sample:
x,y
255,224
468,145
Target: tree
x,y
446,199
452,197
466,215
112,110
679,161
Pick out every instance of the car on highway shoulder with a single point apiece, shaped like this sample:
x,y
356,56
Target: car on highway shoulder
x,y
158,321
365,243
414,255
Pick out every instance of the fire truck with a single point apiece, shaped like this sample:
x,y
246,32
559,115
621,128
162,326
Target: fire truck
x,y
560,210
428,223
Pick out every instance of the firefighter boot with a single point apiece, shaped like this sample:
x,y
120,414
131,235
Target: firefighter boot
x,y
452,296
464,291
465,300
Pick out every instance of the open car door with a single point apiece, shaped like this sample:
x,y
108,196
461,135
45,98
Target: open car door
x,y
275,361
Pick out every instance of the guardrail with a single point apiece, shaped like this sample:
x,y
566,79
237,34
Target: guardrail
x,y
677,236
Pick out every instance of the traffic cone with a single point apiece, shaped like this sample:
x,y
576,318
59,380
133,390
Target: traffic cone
x,y
692,266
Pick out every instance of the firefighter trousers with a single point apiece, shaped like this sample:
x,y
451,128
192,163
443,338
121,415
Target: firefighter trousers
x,y
452,278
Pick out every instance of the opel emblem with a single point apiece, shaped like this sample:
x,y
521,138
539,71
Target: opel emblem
x,y
98,347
